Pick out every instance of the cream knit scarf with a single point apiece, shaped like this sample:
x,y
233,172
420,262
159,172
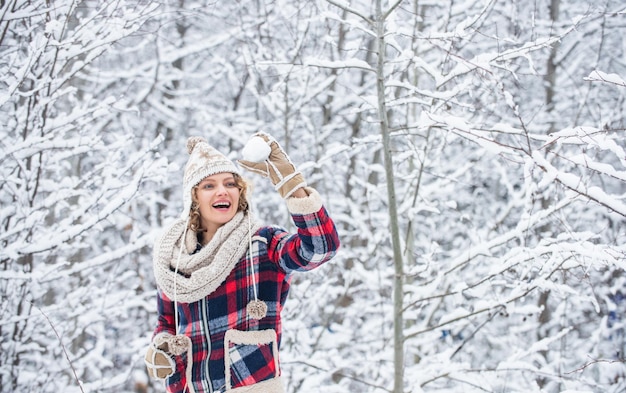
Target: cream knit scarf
x,y
201,273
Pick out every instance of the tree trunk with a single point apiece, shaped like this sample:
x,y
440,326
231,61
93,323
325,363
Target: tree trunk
x,y
398,334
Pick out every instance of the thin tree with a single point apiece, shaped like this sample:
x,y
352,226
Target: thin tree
x,y
398,318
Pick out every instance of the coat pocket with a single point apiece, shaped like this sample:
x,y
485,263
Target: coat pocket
x,y
250,357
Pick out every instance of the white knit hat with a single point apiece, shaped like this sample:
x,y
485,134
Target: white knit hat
x,y
204,160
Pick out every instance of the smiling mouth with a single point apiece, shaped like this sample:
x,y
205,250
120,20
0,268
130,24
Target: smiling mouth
x,y
221,205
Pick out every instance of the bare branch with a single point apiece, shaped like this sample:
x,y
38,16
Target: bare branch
x,y
595,361
67,356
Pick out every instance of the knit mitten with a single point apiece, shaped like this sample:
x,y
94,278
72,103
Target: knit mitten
x,y
271,162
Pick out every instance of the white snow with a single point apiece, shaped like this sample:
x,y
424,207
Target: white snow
x,y
506,198
599,76
256,150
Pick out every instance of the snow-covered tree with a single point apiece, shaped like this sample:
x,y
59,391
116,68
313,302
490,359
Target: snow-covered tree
x,y
505,123
71,180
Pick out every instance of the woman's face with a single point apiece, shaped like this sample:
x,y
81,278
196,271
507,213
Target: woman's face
x,y
218,198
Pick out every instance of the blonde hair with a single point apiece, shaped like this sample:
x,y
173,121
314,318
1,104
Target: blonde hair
x,y
194,212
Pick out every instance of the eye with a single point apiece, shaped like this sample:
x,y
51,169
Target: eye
x,y
231,184
207,186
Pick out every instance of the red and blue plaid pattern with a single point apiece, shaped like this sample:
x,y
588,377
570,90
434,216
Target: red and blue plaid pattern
x,y
276,254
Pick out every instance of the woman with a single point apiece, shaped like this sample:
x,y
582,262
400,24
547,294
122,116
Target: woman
x,y
223,279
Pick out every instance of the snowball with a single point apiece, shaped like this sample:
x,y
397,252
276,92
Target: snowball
x,y
256,150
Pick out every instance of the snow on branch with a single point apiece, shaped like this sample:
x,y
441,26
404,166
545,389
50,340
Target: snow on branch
x,y
346,7
349,63
47,273
599,76
576,184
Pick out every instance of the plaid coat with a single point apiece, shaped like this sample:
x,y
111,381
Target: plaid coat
x,y
277,254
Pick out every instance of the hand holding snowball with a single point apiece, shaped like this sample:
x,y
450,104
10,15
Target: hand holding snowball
x,y
263,155
256,150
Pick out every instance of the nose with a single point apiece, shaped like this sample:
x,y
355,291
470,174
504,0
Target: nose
x,y
220,189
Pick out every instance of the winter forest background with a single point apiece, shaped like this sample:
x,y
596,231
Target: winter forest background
x,y
472,153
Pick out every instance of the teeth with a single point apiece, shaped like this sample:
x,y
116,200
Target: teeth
x,y
222,204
